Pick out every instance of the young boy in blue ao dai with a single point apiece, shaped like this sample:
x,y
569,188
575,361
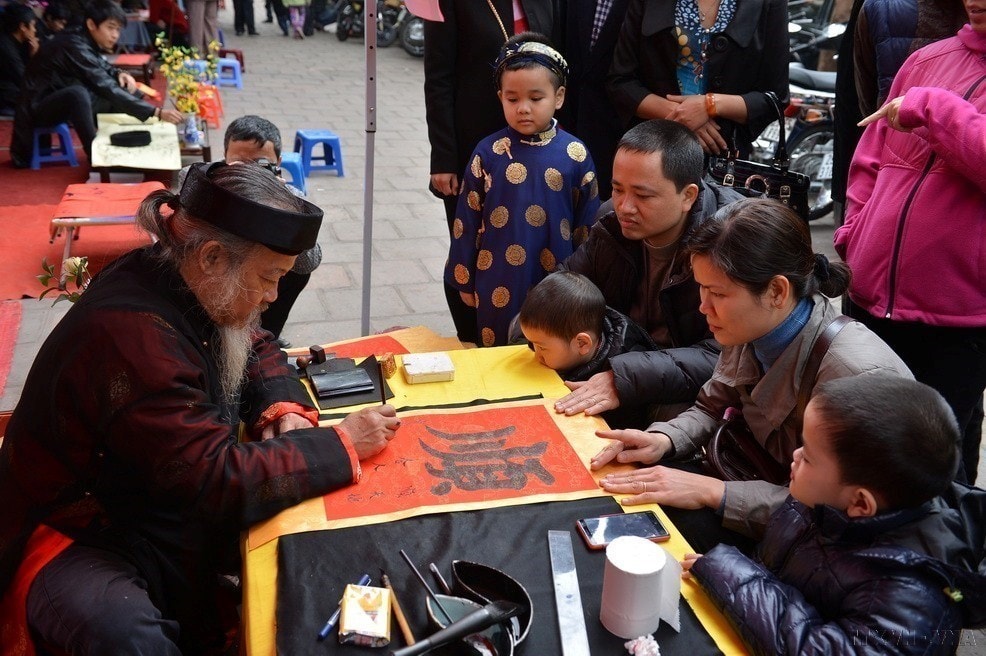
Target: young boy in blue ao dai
x,y
878,552
528,196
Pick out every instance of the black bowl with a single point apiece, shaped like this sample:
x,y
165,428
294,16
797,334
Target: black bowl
x,y
483,584
496,640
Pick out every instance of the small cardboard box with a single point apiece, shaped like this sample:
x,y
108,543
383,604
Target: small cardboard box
x,y
365,616
428,367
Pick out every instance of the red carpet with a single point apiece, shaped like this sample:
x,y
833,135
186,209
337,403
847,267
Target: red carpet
x,y
24,242
10,320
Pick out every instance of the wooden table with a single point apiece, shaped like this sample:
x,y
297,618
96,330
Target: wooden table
x,y
100,204
164,153
496,373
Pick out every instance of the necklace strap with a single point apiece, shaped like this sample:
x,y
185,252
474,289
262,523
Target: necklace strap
x,y
496,15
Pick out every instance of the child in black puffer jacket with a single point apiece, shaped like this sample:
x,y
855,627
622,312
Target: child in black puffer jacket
x,y
878,552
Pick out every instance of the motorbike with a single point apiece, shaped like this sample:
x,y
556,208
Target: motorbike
x,y
411,32
810,130
350,20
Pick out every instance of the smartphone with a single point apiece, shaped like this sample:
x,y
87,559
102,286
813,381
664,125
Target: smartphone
x,y
600,531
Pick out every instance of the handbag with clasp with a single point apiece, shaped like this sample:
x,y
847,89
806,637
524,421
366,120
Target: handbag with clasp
x,y
772,180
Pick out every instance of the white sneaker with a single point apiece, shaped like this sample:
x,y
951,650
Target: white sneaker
x,y
330,28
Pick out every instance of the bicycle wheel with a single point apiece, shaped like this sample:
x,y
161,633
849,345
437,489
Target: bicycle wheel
x,y
811,154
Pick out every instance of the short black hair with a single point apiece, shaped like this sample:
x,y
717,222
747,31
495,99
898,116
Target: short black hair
x,y
563,305
894,436
14,15
682,159
57,11
100,11
754,240
253,128
524,63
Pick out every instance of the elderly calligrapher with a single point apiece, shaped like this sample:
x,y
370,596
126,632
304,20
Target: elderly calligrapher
x,y
124,469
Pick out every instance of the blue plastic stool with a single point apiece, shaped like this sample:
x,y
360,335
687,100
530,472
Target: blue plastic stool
x,y
63,153
305,142
229,73
199,68
291,162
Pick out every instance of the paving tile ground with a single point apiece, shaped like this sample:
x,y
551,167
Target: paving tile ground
x,y
320,83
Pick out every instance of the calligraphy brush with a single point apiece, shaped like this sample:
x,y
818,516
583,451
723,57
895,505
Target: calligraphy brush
x,y
383,390
431,593
439,578
398,611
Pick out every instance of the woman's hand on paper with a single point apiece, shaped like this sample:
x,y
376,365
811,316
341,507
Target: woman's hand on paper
x,y
666,486
630,445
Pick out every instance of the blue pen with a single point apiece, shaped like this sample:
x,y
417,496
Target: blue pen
x,y
330,624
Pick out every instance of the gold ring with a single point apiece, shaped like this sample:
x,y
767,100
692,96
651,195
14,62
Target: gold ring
x,y
645,486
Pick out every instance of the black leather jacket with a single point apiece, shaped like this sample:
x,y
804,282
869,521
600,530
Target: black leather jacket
x,y
615,265
902,582
72,58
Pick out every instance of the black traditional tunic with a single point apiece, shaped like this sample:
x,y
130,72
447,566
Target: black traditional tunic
x,y
121,439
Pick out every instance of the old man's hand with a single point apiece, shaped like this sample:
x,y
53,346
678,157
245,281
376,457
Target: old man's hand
x,y
371,429
289,422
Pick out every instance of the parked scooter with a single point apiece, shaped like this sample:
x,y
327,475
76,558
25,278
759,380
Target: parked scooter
x,y
810,129
350,20
411,31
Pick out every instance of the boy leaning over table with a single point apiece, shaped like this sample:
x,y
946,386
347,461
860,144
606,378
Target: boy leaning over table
x,y
876,551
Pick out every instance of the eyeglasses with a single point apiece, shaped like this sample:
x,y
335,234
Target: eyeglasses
x,y
269,165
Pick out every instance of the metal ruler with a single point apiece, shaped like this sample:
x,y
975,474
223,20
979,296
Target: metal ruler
x,y
568,597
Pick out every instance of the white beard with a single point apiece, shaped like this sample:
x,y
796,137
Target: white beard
x,y
235,351
235,347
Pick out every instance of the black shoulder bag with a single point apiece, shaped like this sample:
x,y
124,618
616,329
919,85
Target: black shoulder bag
x,y
735,454
772,180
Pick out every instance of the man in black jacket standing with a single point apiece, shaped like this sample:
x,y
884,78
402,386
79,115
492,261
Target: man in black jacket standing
x,y
68,80
633,256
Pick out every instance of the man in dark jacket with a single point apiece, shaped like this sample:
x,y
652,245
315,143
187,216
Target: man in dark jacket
x,y
632,255
68,80
18,43
123,461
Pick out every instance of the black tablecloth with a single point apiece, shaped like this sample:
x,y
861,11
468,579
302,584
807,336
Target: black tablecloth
x,y
313,569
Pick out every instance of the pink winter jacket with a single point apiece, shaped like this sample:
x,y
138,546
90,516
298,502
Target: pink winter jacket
x,y
915,230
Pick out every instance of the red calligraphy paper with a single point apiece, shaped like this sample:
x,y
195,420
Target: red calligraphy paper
x,y
364,348
482,456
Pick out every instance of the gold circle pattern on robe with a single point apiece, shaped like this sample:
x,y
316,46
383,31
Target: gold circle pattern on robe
x,y
554,179
516,173
548,262
576,151
461,274
565,228
476,167
501,146
484,260
489,337
536,215
500,297
499,216
516,255
457,228
473,201
581,234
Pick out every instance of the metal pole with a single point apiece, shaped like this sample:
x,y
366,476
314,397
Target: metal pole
x,y
370,39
